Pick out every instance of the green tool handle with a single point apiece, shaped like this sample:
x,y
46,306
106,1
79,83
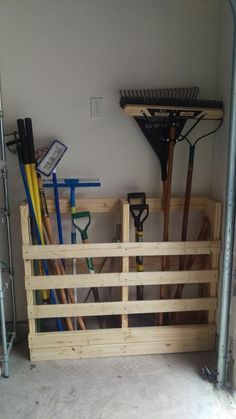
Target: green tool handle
x,y
90,266
89,260
81,216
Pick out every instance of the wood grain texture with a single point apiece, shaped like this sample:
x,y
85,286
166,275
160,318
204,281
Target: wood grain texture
x,y
28,264
213,211
121,335
120,307
122,342
65,251
112,205
121,279
125,218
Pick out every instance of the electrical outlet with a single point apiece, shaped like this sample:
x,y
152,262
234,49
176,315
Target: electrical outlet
x,y
96,107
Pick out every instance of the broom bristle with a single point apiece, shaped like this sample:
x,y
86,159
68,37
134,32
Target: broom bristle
x,y
183,93
181,96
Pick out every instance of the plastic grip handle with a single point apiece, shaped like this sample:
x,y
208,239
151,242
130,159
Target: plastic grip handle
x,y
78,216
137,195
30,139
82,214
23,143
139,213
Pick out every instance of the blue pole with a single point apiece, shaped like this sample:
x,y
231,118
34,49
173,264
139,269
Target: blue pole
x,y
57,205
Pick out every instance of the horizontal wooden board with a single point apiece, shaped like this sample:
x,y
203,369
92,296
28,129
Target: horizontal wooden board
x,y
120,249
114,336
94,205
119,307
172,343
105,205
112,350
120,279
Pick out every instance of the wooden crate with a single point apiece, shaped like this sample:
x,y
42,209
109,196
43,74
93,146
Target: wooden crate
x,y
124,340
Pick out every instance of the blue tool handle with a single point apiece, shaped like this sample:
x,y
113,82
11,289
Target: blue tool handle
x,y
57,205
72,197
73,237
78,185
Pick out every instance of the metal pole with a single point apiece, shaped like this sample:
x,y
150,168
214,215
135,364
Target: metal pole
x,y
7,214
229,228
5,366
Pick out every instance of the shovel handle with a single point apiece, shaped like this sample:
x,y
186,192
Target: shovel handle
x,y
83,230
139,213
136,196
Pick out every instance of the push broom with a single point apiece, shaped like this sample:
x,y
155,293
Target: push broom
x,y
161,115
47,165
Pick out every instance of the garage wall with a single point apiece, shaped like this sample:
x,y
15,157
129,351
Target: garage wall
x,y
224,66
57,54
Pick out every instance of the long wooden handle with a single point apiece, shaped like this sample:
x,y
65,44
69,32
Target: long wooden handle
x,y
201,236
166,212
188,190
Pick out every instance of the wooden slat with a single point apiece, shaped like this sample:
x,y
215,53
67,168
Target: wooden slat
x,y
121,279
105,205
196,203
120,249
132,342
125,260
112,350
214,213
131,335
117,307
94,205
103,351
28,268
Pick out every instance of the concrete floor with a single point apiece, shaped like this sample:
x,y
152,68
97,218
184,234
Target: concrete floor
x,y
144,387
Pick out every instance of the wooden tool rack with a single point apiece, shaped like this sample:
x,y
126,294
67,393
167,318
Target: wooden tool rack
x,y
123,340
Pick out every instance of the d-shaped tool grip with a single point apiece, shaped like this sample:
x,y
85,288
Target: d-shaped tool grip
x,y
139,213
85,216
136,196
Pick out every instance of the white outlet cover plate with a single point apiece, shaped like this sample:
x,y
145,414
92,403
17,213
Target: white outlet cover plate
x,y
96,107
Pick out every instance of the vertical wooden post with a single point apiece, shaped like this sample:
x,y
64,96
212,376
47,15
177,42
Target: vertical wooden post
x,y
213,211
125,260
28,265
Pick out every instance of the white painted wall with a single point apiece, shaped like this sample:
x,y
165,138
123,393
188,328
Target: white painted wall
x,y
56,54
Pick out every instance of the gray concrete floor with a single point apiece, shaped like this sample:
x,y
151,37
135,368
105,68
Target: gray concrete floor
x,y
142,387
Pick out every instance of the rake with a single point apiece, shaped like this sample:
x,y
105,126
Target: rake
x,y
161,115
